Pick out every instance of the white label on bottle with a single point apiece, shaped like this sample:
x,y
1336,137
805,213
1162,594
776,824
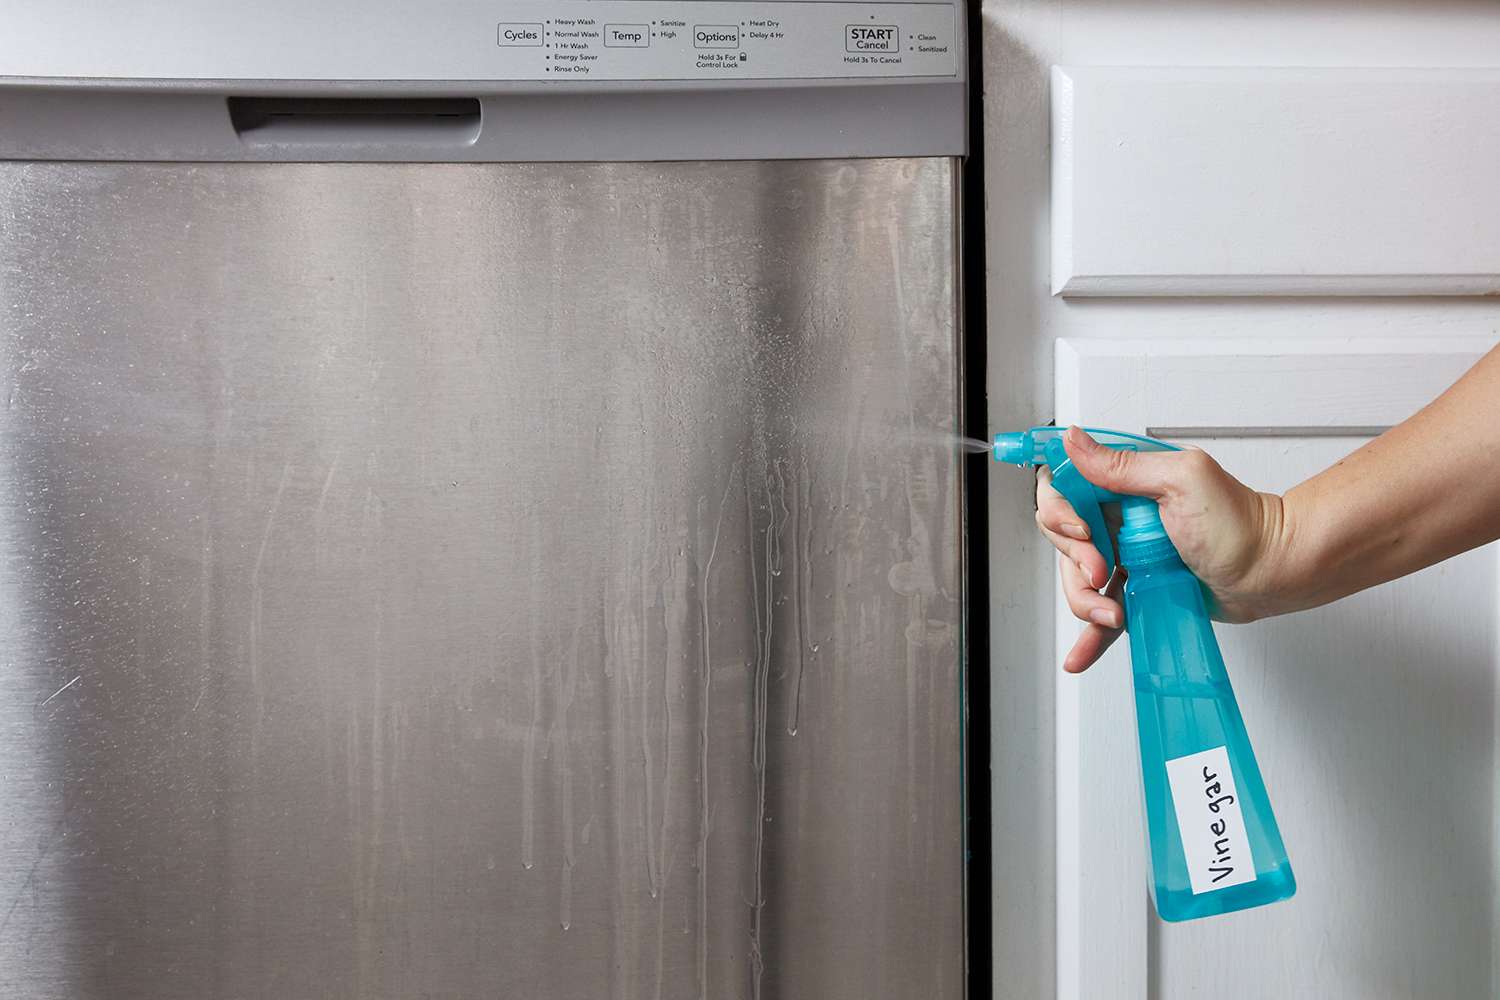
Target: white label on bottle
x,y
1208,815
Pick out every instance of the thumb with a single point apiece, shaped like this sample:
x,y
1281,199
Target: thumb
x,y
1129,472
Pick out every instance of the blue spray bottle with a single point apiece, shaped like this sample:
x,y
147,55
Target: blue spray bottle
x,y
1214,843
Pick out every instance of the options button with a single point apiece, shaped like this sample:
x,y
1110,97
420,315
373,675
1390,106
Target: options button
x,y
716,36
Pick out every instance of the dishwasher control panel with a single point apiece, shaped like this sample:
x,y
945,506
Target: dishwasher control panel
x,y
520,41
715,40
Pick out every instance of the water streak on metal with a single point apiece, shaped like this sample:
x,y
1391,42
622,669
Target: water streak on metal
x,y
459,580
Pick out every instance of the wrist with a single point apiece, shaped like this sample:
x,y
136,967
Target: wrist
x,y
1289,579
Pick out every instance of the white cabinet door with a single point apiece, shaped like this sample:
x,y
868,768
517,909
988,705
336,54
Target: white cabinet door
x,y
1270,229
1374,719
1257,181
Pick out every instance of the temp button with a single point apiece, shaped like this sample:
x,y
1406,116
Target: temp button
x,y
627,36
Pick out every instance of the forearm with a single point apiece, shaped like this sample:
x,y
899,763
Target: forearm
x,y
1426,490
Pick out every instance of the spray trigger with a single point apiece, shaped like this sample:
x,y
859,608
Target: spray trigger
x,y
1044,446
1080,493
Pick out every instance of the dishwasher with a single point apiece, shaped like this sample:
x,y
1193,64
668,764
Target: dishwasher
x,y
478,510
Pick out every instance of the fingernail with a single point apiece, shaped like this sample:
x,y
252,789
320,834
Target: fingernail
x,y
1088,577
1105,617
1077,531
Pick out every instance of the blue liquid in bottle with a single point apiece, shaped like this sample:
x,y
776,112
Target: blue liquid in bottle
x,y
1214,843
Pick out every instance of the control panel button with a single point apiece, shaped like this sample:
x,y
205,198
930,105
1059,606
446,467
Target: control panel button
x,y
872,38
627,36
716,36
527,35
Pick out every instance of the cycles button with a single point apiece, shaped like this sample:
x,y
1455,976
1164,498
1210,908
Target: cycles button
x,y
519,34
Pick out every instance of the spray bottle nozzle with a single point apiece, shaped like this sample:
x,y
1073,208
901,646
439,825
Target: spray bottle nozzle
x,y
1044,446
1013,449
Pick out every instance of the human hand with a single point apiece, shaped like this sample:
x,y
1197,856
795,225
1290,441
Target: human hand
x,y
1231,537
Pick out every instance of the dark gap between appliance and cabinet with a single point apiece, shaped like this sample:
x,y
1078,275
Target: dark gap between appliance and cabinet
x,y
979,919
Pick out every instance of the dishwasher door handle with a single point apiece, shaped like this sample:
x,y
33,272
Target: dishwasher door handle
x,y
356,121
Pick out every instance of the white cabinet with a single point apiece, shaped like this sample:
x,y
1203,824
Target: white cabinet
x,y
1271,230
1374,719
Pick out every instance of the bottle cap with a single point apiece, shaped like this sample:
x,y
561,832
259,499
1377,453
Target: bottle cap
x,y
1142,537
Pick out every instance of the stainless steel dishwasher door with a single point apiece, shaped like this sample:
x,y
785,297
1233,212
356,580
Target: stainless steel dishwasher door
x,y
480,581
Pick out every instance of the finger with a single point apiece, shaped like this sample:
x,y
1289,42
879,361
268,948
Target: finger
x,y
1095,639
1082,555
1056,514
1086,603
1092,644
1141,474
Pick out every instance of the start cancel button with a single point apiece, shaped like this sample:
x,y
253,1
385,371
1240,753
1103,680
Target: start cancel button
x,y
872,38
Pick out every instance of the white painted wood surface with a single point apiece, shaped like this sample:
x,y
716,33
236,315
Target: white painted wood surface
x,y
1275,181
1374,719
1022,41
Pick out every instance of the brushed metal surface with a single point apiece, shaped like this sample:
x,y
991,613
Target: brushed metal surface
x,y
479,581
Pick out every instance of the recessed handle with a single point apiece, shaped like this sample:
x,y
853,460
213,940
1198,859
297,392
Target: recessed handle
x,y
332,121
